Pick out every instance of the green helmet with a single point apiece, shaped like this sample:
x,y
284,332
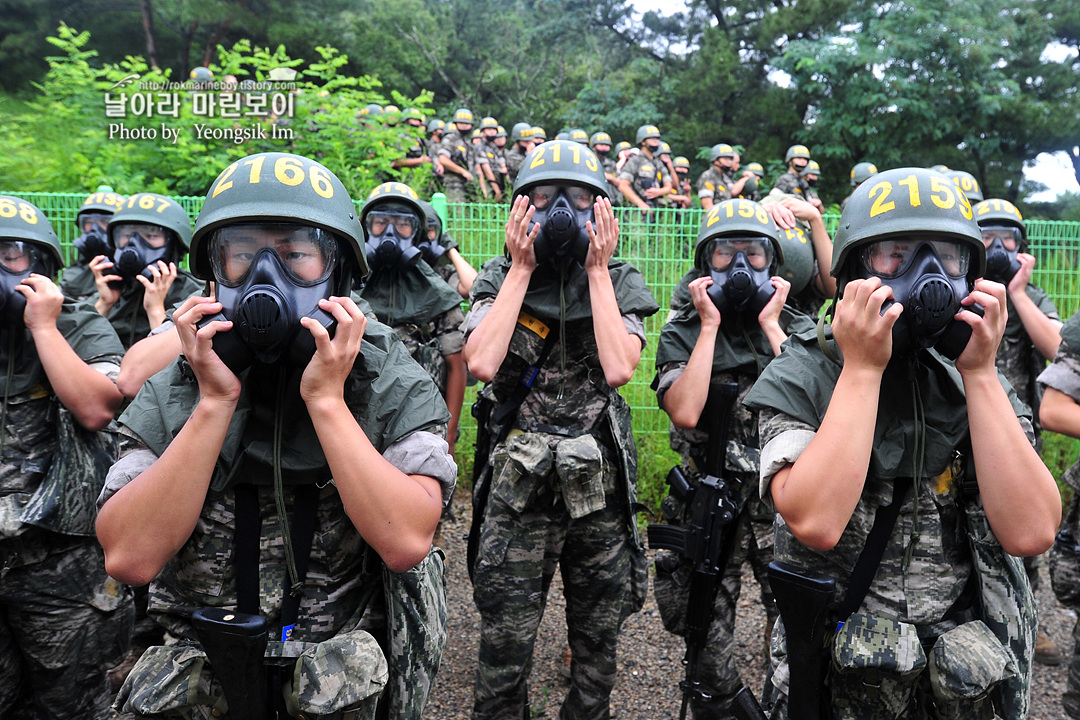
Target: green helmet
x,y
435,124
665,149
756,168
736,217
475,133
561,161
681,162
619,147
539,134
812,168
278,187
431,215
201,74
797,151
798,264
487,122
156,210
721,150
22,220
521,131
372,109
861,172
966,182
905,201
940,168
412,114
393,192
996,211
646,132
501,132
463,115
600,138
391,109
102,201
564,135
579,136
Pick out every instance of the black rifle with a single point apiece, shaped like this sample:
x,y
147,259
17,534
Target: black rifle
x,y
706,541
235,644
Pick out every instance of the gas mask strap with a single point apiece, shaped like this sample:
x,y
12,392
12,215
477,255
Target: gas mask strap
x,y
7,384
296,583
750,344
562,328
917,461
823,342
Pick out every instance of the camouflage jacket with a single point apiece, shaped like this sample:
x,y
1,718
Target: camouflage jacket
x,y
1063,374
713,184
1017,357
611,168
644,173
792,184
457,149
514,160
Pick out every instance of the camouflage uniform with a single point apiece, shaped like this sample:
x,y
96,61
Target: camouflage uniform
x,y
562,493
644,173
611,168
919,638
128,317
514,159
460,151
342,651
713,184
792,184
754,524
63,621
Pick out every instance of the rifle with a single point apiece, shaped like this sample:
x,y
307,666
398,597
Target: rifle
x,y
706,541
235,643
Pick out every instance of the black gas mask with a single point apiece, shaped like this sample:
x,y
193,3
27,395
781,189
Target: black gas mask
x,y
17,260
268,277
1001,262
431,250
741,272
929,278
601,153
561,212
812,182
94,240
391,228
139,245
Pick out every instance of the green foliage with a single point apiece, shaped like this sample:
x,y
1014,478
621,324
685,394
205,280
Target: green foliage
x,y
1060,452
655,459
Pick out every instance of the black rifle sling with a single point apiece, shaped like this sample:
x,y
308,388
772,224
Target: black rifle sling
x,y
505,411
866,566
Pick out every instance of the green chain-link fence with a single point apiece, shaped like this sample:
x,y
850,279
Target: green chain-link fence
x,y
661,248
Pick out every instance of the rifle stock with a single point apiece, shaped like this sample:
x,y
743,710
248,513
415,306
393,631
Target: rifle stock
x,y
235,644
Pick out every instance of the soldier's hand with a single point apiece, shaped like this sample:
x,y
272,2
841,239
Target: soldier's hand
x,y
863,333
706,308
801,209
468,176
519,240
781,215
771,312
155,291
1020,280
980,353
99,266
325,375
216,381
603,237
43,302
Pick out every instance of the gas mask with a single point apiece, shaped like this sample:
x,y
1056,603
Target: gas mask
x,y
740,268
17,260
929,278
601,153
268,277
561,212
391,228
1001,262
431,249
95,240
653,149
139,245
812,182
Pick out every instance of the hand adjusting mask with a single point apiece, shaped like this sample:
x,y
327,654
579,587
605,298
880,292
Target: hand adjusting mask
x,y
929,278
1001,262
139,245
391,229
268,277
17,260
95,240
740,269
561,212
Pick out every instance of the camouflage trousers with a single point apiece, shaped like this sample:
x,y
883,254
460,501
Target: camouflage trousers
x,y
671,585
517,559
454,187
63,624
1071,699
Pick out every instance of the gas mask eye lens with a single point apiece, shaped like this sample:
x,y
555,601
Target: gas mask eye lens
x,y
581,198
1009,236
307,254
758,253
378,222
891,258
541,195
17,256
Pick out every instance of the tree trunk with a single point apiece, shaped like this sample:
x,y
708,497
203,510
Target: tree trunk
x,y
148,30
212,43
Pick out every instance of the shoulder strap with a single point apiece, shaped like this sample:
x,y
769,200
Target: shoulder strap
x,y
870,557
521,391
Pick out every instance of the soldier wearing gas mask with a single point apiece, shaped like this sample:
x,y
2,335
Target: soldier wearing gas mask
x,y
77,280
141,277
732,328
408,295
1032,335
440,251
63,621
290,465
558,483
892,457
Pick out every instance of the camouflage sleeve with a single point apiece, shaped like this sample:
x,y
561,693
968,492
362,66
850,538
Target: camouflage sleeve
x,y
109,366
665,175
1063,374
448,331
135,458
477,312
666,375
635,325
706,188
424,453
788,183
783,438
1043,301
628,172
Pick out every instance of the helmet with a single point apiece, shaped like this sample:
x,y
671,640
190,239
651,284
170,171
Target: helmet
x,y
501,132
721,150
812,168
463,115
102,201
22,220
405,247
740,287
796,151
890,208
391,109
156,210
939,168
435,124
747,218
600,138
756,168
967,183
665,149
487,122
538,133
561,161
647,131
1000,212
798,264
475,133
287,188
372,109
619,147
579,136
861,172
681,162
564,135
201,75
521,131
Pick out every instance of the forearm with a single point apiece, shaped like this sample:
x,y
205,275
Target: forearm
x,y
685,400
395,513
455,394
1018,492
1045,332
619,350
823,249
90,396
466,273
103,306
775,335
145,359
452,166
1059,413
148,521
487,345
818,494
629,194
